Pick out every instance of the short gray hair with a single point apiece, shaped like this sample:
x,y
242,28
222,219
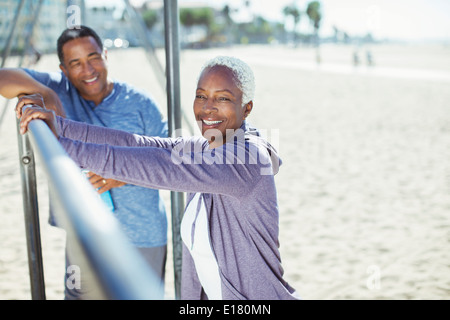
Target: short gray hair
x,y
243,75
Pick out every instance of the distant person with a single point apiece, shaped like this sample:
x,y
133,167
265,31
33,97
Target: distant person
x,y
318,57
355,58
85,93
230,225
369,58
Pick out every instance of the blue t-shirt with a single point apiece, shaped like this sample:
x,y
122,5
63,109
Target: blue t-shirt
x,y
140,210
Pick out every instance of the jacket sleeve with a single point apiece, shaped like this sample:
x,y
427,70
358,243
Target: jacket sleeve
x,y
186,167
101,135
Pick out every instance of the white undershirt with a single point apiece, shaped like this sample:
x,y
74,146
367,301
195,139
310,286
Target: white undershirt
x,y
200,249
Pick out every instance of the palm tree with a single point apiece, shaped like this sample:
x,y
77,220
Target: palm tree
x,y
190,17
296,14
314,14
226,12
150,17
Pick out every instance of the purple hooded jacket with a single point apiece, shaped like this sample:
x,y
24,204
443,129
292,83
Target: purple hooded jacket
x,y
237,184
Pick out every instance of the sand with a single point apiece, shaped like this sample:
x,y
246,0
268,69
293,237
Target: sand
x,y
364,187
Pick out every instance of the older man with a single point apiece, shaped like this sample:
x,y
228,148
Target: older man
x,y
83,92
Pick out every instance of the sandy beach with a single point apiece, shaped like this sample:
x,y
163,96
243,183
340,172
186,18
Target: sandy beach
x,y
364,189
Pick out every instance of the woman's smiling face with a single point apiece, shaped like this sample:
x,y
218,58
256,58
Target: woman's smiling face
x,y
218,105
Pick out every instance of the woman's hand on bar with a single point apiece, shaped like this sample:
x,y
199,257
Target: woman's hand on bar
x,y
31,107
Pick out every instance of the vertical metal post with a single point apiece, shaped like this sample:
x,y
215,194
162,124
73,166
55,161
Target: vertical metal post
x,y
171,18
31,211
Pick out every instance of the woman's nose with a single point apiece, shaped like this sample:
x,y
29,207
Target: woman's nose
x,y
209,106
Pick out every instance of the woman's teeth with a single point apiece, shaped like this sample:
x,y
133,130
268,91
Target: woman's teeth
x,y
209,123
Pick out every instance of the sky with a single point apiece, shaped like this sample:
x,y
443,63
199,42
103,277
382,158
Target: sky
x,y
398,19
393,19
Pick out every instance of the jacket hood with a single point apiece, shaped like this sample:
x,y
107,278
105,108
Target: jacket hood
x,y
254,133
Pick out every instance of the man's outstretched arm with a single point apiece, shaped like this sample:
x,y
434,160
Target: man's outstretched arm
x,y
16,82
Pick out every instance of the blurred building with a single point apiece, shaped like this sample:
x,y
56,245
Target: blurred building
x,y
52,20
111,24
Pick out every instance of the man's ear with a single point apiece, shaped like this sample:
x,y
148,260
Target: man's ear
x,y
63,69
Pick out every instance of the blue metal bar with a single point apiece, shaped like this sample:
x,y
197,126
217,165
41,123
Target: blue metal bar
x,y
119,268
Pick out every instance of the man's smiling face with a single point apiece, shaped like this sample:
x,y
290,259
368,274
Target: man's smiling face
x,y
85,67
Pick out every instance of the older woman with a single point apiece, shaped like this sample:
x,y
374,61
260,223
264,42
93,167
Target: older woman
x,y
230,225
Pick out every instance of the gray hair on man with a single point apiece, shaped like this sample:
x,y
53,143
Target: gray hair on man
x,y
243,75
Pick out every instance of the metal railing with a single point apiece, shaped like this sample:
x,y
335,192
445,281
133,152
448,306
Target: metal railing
x,y
115,272
119,268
